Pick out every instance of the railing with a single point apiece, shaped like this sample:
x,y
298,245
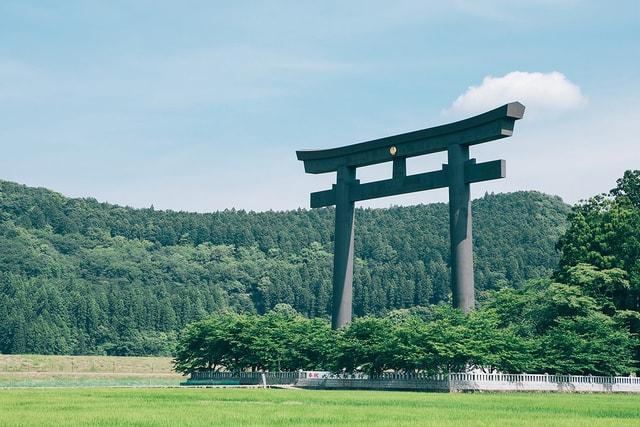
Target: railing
x,y
326,375
205,378
381,376
214,375
544,378
410,376
421,381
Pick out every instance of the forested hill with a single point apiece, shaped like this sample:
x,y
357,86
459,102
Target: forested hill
x,y
79,276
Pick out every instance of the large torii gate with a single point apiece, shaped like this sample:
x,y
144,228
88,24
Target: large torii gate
x,y
457,174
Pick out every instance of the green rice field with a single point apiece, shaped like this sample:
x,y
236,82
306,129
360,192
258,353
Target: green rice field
x,y
272,407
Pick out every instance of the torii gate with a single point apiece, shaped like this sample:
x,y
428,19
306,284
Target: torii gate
x,y
457,174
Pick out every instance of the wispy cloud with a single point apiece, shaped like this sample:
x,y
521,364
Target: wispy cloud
x,y
508,11
214,77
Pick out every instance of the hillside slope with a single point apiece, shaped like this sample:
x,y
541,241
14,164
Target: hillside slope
x,y
79,276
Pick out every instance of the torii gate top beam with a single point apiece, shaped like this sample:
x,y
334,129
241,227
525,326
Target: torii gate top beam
x,y
494,124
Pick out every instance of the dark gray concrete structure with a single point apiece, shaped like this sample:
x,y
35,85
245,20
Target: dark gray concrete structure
x,y
457,174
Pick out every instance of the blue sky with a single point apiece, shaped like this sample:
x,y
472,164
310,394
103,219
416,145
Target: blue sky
x,y
200,106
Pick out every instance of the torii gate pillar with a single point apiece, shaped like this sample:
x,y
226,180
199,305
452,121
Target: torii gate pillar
x,y
462,284
343,249
457,174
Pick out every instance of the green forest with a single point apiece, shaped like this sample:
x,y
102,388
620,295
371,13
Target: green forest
x,y
582,319
82,277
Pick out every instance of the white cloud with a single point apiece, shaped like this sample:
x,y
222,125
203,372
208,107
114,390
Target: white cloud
x,y
541,93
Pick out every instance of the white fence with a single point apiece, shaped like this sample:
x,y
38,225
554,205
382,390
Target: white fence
x,y
455,382
546,378
242,378
462,382
542,382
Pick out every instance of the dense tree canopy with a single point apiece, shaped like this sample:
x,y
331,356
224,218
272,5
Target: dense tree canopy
x,y
435,340
583,319
282,339
601,253
79,276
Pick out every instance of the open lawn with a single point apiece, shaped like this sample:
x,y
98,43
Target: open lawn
x,y
93,364
30,370
258,407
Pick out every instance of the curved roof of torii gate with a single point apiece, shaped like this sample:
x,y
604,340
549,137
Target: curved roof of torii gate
x,y
494,124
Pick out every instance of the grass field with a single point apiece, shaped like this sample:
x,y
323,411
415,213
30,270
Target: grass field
x,y
89,364
258,407
92,371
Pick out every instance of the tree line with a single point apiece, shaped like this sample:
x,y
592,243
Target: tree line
x,y
584,319
544,327
82,277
